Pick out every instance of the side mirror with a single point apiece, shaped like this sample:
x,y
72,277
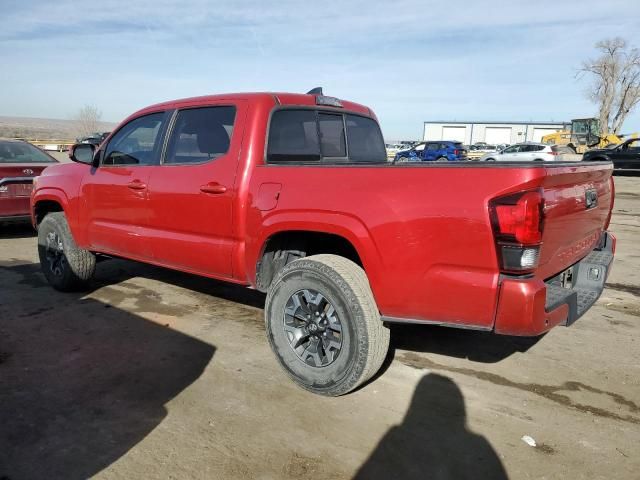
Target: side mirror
x,y
82,153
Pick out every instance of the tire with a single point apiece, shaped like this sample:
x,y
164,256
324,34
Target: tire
x,y
442,159
490,160
352,354
66,267
401,160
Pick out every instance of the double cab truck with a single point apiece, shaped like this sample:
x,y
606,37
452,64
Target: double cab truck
x,y
292,194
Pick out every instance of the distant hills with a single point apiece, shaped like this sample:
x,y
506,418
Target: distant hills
x,y
43,128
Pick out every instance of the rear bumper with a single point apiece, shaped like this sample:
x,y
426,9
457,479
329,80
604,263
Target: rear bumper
x,y
530,307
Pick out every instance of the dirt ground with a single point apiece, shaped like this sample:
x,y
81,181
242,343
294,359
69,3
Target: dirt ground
x,y
157,374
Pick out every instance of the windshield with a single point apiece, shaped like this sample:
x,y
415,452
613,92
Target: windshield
x,y
19,152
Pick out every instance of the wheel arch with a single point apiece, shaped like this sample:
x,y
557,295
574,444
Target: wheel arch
x,y
283,245
46,201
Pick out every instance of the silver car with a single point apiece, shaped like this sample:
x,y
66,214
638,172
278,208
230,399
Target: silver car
x,y
528,152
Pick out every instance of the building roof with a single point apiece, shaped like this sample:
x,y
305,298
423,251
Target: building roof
x,y
493,122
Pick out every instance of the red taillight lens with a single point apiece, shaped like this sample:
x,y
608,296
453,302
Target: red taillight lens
x,y
456,152
553,153
517,222
521,220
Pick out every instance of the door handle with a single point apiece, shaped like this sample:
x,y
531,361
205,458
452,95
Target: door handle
x,y
137,185
214,188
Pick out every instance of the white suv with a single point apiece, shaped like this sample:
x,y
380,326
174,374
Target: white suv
x,y
524,152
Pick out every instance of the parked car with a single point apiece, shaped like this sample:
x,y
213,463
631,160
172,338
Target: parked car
x,y
476,151
291,194
94,139
625,157
20,162
526,152
440,151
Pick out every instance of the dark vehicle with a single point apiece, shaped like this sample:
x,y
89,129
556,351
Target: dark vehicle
x,y
94,139
625,157
440,151
19,163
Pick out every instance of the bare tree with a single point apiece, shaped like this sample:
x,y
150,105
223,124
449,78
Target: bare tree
x,y
615,87
88,120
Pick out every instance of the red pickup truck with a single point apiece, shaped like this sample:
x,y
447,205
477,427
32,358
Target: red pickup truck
x,y
292,194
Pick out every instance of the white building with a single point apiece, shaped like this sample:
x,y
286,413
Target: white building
x,y
493,133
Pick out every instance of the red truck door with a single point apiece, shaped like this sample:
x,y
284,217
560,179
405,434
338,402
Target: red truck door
x,y
191,192
116,194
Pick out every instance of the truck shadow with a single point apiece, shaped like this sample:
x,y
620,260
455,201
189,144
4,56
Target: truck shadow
x,y
433,440
478,346
485,347
81,384
16,230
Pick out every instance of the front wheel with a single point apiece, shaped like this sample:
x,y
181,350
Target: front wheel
x,y
324,326
65,266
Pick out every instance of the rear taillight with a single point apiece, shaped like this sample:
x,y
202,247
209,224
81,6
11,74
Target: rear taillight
x,y
553,153
456,152
517,222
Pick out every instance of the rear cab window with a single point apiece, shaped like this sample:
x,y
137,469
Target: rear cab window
x,y
319,136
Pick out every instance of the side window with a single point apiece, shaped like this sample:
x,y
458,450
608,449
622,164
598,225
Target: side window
x,y
332,143
137,143
420,147
365,140
512,149
432,147
293,137
200,134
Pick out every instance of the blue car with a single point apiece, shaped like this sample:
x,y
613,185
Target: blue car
x,y
436,151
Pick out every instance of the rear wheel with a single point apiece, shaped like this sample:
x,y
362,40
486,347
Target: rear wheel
x,y
324,326
442,159
65,266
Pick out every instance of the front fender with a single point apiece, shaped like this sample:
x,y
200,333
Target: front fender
x,y
57,195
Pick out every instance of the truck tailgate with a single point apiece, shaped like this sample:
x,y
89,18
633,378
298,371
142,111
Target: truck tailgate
x,y
577,204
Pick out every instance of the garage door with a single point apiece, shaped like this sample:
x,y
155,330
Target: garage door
x,y
538,133
497,135
457,134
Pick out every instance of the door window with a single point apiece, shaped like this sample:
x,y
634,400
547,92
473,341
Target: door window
x,y
137,143
432,147
512,149
201,134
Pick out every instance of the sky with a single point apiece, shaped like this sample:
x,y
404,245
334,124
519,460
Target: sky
x,y
410,61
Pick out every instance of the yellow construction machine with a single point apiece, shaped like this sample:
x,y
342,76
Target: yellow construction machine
x,y
584,134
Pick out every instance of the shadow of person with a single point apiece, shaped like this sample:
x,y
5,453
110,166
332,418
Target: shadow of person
x,y
81,381
433,441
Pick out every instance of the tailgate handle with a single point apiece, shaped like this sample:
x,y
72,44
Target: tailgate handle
x,y
137,185
214,188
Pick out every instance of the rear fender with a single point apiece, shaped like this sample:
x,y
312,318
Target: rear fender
x,y
345,226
